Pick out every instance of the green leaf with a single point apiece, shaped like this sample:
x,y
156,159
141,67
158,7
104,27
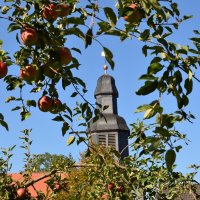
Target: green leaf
x,y
163,42
70,140
186,17
148,88
109,56
144,50
143,108
58,118
4,124
88,37
155,4
31,103
5,9
65,83
162,131
110,14
25,115
107,52
195,40
162,86
190,75
147,77
80,81
75,20
16,108
75,31
74,94
80,139
65,128
188,86
149,186
13,27
145,35
37,89
174,6
170,158
149,113
8,99
1,117
155,108
84,107
104,26
120,7
178,148
76,49
154,68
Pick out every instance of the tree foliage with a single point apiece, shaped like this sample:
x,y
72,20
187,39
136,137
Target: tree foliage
x,y
47,162
45,60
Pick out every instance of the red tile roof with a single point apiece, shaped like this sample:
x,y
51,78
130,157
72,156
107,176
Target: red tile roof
x,y
43,187
40,185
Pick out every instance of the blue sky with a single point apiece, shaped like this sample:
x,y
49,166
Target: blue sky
x,y
130,64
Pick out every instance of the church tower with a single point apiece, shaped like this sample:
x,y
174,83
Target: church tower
x,y
110,129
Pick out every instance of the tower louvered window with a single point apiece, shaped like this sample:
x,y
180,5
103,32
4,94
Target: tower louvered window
x,y
102,140
111,140
107,140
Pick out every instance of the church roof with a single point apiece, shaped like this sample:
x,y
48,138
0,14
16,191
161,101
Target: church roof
x,y
109,122
106,86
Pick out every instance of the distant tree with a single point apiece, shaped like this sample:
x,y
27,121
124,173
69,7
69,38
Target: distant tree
x,y
47,162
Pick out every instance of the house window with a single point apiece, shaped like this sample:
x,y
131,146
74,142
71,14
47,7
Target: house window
x,y
107,140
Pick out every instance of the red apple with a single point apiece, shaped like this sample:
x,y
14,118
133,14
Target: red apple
x,y
50,12
63,10
3,69
29,73
21,193
45,104
57,106
104,196
111,186
57,186
64,55
120,188
29,36
135,15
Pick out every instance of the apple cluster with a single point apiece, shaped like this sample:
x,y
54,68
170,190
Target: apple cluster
x,y
112,187
31,36
61,56
53,105
52,12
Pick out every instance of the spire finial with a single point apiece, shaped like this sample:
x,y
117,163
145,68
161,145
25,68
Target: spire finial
x,y
105,67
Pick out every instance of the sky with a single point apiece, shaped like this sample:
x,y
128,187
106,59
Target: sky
x,y
130,64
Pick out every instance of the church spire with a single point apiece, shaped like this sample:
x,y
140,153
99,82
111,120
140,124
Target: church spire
x,y
110,129
106,93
